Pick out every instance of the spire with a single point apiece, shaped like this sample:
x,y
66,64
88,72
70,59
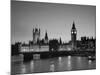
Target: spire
x,y
33,29
73,27
36,29
60,41
46,35
39,30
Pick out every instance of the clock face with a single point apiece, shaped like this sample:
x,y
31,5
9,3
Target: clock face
x,y
73,32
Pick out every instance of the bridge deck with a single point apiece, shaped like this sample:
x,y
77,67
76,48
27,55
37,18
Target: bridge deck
x,y
58,53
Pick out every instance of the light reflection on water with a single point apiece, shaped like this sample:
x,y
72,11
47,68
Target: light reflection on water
x,y
32,66
53,64
69,63
90,61
23,68
52,67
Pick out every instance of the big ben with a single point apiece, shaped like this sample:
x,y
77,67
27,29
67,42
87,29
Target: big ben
x,y
73,36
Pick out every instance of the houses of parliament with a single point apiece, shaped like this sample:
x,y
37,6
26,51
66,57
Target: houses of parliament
x,y
44,44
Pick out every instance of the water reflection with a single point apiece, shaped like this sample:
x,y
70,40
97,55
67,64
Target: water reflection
x,y
59,58
23,68
79,62
52,67
91,64
53,64
32,66
69,63
59,61
90,61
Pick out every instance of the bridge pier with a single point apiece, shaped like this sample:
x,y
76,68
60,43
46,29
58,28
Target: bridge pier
x,y
45,55
50,54
30,56
36,56
27,57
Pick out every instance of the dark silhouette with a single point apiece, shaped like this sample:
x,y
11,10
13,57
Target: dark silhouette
x,y
15,48
60,41
53,45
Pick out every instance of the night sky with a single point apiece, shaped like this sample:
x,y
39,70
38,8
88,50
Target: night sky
x,y
57,19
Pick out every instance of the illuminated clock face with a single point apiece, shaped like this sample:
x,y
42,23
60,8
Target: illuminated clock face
x,y
73,32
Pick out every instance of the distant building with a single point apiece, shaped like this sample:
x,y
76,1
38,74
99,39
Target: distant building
x,y
73,36
15,48
88,43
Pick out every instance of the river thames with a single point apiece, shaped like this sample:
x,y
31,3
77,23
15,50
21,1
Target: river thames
x,y
67,63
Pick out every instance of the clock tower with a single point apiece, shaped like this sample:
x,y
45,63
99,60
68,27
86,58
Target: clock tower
x,y
73,36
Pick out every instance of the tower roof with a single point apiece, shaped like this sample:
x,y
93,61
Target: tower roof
x,y
46,35
73,27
